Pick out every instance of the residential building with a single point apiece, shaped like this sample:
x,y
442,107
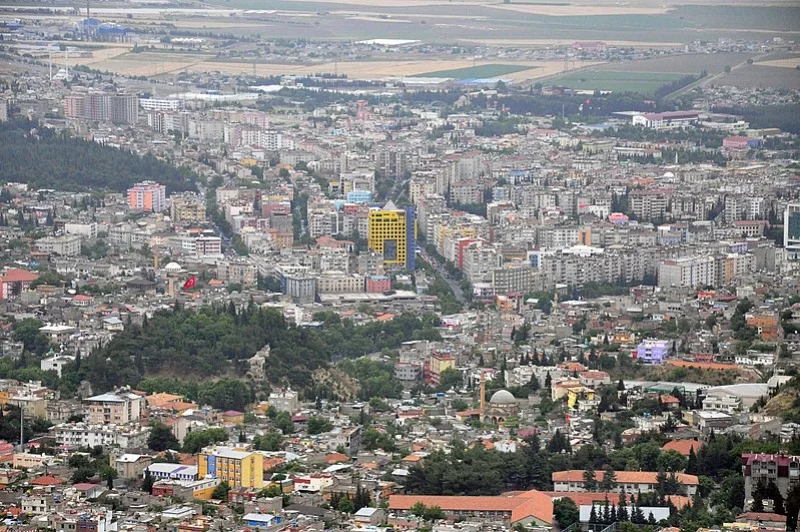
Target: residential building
x,y
687,272
65,246
285,400
781,469
435,365
131,465
147,196
108,436
237,271
14,282
651,351
113,408
186,207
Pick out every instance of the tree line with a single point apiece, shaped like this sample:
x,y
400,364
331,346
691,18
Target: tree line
x,y
218,341
55,159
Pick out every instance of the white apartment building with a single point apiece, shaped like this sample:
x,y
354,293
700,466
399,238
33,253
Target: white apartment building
x,y
687,272
88,230
479,261
89,435
66,246
153,104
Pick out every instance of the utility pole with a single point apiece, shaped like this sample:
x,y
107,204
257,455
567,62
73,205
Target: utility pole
x,y
21,425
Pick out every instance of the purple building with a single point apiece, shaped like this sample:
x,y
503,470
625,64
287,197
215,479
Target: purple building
x,y
652,351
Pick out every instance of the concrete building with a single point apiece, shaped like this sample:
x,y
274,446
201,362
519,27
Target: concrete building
x,y
627,481
236,467
113,408
131,465
186,207
284,400
687,272
393,233
652,351
791,231
237,271
107,436
781,469
147,196
65,246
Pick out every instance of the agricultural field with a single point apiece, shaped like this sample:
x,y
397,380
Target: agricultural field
x,y
757,76
645,83
491,70
682,64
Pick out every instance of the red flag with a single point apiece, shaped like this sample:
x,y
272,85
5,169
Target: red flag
x,y
190,282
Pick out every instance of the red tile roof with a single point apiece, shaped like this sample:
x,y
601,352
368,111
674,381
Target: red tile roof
x,y
48,480
761,516
519,505
623,477
16,275
682,446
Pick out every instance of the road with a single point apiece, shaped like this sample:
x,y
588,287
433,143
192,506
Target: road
x,y
454,285
710,79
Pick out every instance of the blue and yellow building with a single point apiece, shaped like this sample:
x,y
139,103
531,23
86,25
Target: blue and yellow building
x,y
239,468
393,234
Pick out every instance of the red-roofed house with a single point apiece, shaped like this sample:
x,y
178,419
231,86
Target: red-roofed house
x,y
523,508
15,281
48,480
682,446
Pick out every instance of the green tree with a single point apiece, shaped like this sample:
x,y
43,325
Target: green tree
x,y
220,493
609,480
283,422
565,512
449,378
147,483
27,332
589,480
318,425
161,438
109,474
346,505
271,441
433,513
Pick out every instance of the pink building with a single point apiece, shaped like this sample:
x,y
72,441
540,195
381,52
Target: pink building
x,y
378,283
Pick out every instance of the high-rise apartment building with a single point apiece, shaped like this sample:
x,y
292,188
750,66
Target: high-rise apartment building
x,y
147,196
393,233
791,231
103,107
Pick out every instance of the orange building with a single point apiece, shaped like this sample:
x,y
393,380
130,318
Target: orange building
x,y
766,325
147,196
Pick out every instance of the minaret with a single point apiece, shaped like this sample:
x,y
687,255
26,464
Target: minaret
x,y
483,395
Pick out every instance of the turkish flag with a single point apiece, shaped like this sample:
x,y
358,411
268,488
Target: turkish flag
x,y
190,282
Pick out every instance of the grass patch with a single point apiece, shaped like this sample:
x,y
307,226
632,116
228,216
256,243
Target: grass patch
x,y
645,83
492,70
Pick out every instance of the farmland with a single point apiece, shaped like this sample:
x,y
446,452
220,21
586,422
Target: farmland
x,y
644,83
490,70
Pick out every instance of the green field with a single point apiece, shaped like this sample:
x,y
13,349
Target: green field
x,y
644,83
480,72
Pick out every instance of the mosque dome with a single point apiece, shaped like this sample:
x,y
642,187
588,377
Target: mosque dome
x,y
502,397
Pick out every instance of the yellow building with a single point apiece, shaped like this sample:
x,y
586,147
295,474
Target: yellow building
x,y
236,467
579,396
393,233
